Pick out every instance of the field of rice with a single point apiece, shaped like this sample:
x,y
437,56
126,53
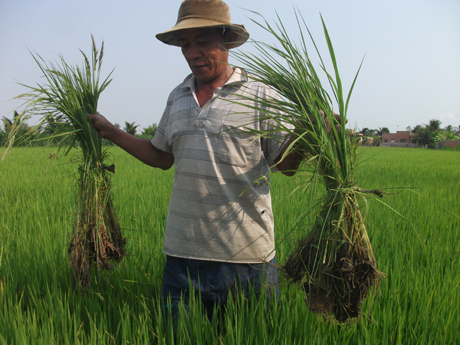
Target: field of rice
x,y
415,236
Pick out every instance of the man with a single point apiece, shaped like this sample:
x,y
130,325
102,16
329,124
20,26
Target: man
x,y
219,233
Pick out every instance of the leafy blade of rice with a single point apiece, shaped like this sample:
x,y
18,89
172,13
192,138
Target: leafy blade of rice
x,y
72,93
333,262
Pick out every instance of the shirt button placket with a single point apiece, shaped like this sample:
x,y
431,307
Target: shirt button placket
x,y
202,115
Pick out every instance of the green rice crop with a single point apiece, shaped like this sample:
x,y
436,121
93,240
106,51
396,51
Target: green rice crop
x,y
333,261
71,93
418,302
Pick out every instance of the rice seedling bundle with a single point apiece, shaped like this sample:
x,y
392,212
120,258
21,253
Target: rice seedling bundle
x,y
333,261
71,93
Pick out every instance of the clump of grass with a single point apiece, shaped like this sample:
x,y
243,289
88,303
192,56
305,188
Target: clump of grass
x,y
334,261
71,93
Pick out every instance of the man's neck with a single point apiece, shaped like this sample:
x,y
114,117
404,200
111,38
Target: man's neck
x,y
205,90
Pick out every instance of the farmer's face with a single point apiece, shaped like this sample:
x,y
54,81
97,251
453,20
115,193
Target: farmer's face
x,y
204,50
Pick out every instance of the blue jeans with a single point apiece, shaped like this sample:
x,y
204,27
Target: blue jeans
x,y
214,281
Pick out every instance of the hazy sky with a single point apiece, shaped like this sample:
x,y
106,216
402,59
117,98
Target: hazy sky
x,y
411,51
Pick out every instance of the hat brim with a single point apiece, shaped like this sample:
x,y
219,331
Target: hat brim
x,y
170,37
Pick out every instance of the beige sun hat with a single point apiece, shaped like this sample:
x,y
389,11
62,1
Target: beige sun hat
x,y
195,14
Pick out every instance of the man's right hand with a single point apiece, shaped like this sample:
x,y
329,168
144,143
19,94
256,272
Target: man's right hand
x,y
102,125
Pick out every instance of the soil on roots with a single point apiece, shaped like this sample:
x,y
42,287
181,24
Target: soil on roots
x,y
98,242
336,290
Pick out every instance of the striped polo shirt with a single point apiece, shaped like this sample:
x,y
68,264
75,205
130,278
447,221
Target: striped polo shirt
x,y
220,207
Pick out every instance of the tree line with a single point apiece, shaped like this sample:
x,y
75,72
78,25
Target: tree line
x,y
49,132
424,134
432,133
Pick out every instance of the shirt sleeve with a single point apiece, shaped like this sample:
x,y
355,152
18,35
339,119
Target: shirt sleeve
x,y
274,143
160,139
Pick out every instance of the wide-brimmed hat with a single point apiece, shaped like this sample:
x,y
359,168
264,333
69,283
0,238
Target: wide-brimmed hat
x,y
194,14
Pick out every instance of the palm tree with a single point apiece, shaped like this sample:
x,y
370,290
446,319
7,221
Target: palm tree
x,y
16,128
435,125
367,132
130,128
9,124
149,131
417,128
425,136
382,130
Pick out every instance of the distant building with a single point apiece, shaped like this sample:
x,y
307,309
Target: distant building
x,y
398,137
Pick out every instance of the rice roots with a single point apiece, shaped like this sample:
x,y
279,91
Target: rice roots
x,y
97,236
335,290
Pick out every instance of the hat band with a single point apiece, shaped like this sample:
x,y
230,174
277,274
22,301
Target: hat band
x,y
193,16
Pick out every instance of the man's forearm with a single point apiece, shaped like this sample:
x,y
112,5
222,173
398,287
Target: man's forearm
x,y
291,163
142,149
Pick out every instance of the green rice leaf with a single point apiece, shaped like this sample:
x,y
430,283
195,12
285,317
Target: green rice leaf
x,y
333,262
71,92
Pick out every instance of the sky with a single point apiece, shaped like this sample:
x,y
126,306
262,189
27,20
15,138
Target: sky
x,y
409,49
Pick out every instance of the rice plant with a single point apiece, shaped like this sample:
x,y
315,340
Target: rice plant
x,y
334,260
419,301
71,93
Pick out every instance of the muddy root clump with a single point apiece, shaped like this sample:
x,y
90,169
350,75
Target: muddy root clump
x,y
97,237
335,290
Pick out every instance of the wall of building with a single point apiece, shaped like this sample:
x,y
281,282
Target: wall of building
x,y
398,137
389,144
447,143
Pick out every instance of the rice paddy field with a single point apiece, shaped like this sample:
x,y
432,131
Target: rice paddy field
x,y
415,234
